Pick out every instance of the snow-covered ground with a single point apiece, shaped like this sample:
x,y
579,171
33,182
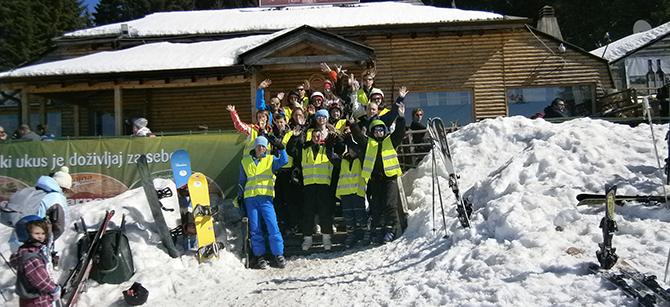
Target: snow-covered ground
x,y
522,176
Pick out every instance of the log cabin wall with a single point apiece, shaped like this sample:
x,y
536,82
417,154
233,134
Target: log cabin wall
x,y
487,62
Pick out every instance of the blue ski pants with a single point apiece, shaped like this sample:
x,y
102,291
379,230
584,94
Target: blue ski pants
x,y
258,206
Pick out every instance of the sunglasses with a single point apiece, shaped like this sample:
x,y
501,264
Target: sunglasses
x,y
321,116
301,89
3,131
378,129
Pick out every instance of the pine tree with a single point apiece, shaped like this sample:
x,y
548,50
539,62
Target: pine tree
x,y
27,27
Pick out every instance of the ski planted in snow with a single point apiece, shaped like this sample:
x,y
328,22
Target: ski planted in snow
x,y
246,242
156,207
597,199
607,254
181,171
439,135
75,282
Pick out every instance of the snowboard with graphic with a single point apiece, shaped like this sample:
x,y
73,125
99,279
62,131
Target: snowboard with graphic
x,y
181,171
199,192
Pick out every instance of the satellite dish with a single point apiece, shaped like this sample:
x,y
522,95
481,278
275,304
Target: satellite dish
x,y
641,26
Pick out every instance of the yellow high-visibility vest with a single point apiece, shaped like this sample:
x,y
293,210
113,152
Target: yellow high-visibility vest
x,y
389,158
284,141
351,180
316,170
260,179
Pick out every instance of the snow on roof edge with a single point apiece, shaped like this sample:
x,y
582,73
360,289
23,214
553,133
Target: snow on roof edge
x,y
268,19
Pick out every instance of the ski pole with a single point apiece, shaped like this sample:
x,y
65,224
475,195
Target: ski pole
x,y
434,176
667,263
647,109
7,262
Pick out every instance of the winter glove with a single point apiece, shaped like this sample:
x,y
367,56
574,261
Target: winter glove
x,y
275,142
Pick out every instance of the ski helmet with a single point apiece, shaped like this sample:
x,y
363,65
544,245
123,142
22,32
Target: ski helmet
x,y
21,232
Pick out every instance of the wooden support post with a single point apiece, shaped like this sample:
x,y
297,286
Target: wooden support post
x,y
77,124
118,110
25,107
43,111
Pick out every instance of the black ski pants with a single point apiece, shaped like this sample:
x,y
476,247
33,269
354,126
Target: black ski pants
x,y
383,199
317,200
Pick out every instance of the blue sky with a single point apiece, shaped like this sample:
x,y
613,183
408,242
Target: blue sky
x,y
91,4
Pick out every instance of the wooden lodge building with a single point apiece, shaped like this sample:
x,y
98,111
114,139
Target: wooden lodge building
x,y
181,69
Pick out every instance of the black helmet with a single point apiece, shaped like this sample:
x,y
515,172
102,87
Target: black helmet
x,y
136,295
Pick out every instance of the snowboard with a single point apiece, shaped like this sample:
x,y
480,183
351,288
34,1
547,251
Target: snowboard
x,y
75,282
181,171
156,207
199,192
439,135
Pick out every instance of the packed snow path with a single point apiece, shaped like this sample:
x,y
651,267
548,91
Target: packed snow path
x,y
528,246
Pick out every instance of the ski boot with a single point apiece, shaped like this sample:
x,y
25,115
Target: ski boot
x,y
262,263
280,260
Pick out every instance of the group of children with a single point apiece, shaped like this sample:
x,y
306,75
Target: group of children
x,y
340,143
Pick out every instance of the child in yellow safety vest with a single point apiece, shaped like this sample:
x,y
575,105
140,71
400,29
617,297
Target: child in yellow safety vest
x,y
317,173
351,187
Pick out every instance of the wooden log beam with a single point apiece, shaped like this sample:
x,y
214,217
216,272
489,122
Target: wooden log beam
x,y
126,84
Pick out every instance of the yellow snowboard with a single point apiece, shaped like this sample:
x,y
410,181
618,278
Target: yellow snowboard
x,y
199,192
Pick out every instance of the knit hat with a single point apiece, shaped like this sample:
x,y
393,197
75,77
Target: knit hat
x,y
294,93
322,112
315,94
261,140
140,122
328,83
377,91
63,177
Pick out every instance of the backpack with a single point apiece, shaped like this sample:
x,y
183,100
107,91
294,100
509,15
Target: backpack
x,y
113,260
22,203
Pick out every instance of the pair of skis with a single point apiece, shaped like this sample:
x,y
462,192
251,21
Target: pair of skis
x,y
76,281
439,137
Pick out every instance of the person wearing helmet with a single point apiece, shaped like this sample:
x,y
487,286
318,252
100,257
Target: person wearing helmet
x,y
34,284
381,169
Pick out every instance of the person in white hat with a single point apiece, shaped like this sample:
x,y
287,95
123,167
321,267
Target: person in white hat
x,y
140,127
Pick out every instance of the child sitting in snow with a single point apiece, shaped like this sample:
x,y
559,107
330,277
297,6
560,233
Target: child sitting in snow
x,y
34,284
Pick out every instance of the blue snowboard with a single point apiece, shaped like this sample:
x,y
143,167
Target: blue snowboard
x,y
181,171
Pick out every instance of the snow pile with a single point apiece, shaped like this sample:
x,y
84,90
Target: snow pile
x,y
522,176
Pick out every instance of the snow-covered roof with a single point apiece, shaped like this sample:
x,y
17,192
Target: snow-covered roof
x,y
269,19
224,53
150,57
620,48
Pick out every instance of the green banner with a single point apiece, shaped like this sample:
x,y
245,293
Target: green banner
x,y
103,168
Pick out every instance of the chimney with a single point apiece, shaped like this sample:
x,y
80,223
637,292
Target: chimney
x,y
548,23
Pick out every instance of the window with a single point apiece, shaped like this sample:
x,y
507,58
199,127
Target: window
x,y
529,101
104,124
454,107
